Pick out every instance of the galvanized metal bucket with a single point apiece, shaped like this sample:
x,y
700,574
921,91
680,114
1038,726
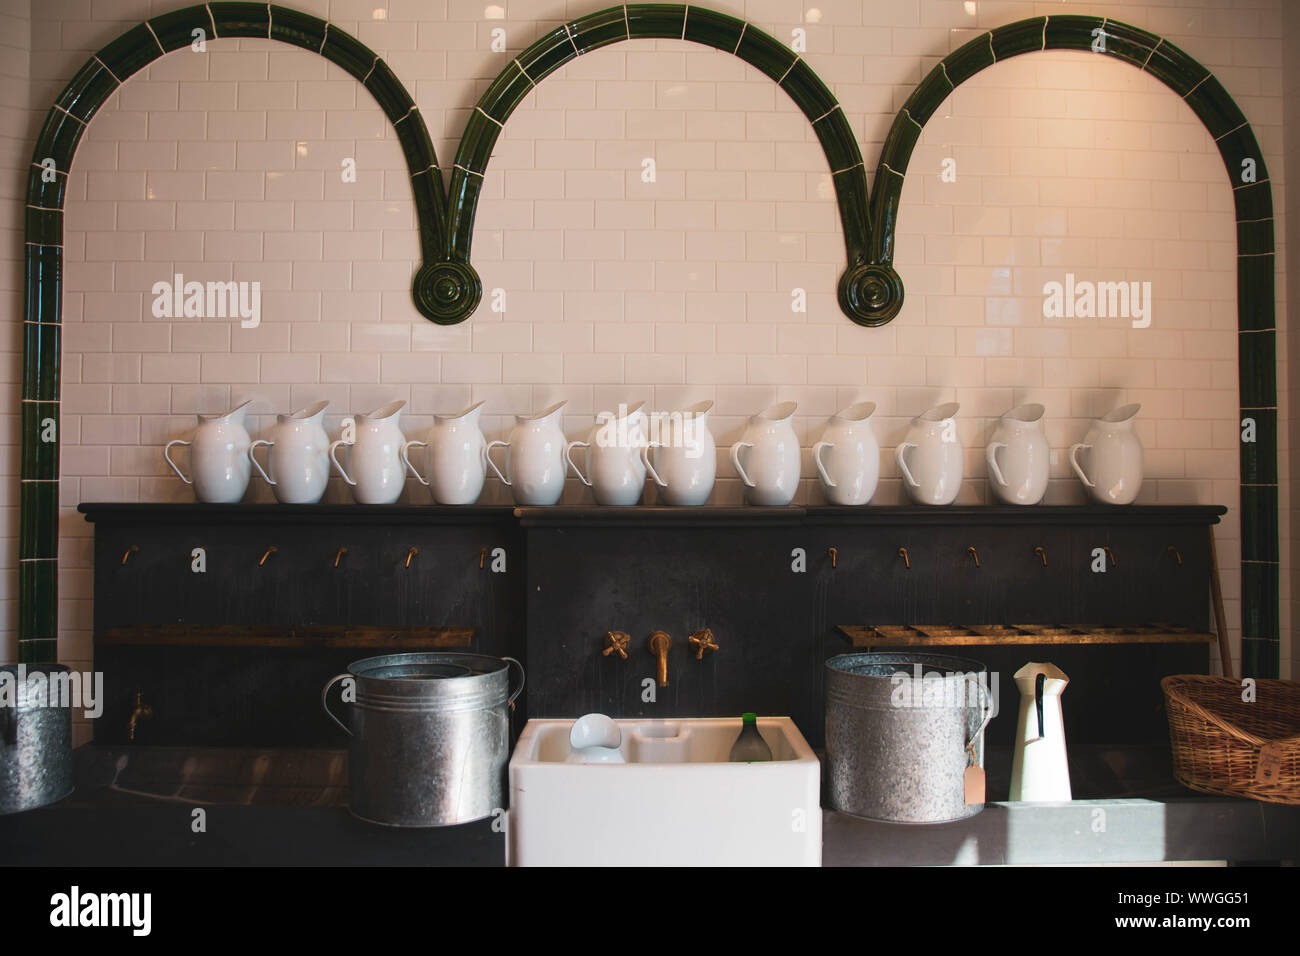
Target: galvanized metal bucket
x,y
35,737
901,729
429,736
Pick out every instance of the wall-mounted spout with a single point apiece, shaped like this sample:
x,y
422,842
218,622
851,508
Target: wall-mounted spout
x,y
269,551
338,556
907,561
411,554
659,644
130,551
1042,554
974,554
139,714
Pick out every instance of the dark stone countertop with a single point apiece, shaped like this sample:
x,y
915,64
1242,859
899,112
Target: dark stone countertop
x,y
287,807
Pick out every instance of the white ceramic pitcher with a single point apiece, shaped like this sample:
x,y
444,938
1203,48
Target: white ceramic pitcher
x,y
848,456
298,456
455,459
685,456
932,474
1040,768
771,469
218,457
615,469
378,472
1114,474
1018,456
536,457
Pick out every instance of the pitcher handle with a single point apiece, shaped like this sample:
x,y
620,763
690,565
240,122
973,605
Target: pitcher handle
x,y
991,455
735,461
902,464
522,678
817,460
568,456
257,464
988,714
1074,463
167,456
487,457
406,460
333,446
324,701
645,460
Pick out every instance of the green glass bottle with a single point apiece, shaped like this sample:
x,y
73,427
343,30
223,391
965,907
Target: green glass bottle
x,y
750,745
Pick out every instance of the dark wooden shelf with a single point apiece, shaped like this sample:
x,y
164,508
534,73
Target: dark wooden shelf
x,y
197,513
319,635
956,635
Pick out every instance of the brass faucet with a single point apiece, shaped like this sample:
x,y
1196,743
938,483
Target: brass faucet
x,y
702,640
141,713
659,643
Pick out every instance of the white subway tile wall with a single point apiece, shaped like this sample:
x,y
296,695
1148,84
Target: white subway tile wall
x,y
614,286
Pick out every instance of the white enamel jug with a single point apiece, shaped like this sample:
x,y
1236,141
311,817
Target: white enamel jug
x,y
378,473
1114,472
455,459
1018,456
299,456
684,461
770,471
1040,769
536,457
218,457
848,456
932,473
615,469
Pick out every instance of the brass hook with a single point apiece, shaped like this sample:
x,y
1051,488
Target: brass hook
x,y
1042,553
269,551
482,556
1177,555
902,553
338,556
1110,554
834,553
974,554
410,554
129,551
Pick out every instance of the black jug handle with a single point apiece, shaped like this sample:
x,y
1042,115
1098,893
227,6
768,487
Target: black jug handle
x,y
1039,681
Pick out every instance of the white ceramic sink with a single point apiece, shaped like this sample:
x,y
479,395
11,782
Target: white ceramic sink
x,y
677,801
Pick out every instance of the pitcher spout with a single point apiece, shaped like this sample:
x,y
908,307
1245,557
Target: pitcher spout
x,y
469,415
233,417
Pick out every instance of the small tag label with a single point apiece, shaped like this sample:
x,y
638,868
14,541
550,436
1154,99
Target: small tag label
x,y
973,781
1270,764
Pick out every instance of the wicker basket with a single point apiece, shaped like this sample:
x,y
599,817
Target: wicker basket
x,y
1217,738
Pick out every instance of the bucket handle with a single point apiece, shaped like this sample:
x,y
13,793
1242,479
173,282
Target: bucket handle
x,y
522,677
324,702
986,707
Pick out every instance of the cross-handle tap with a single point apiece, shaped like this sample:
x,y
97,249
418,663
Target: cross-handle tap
x,y
702,640
616,643
659,643
141,713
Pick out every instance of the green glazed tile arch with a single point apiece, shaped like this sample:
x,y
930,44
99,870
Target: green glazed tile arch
x,y
1253,202
870,294
56,145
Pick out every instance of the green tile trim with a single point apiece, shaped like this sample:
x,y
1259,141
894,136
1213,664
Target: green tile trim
x,y
1215,108
132,51
297,28
40,440
41,362
711,28
241,19
42,286
38,597
343,49
1251,200
1256,294
1258,439
175,29
87,91
599,29
389,92
1257,369
46,187
38,524
1259,517
44,227
58,139
1023,36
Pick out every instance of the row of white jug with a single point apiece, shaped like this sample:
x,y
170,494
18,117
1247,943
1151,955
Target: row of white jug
x,y
676,450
